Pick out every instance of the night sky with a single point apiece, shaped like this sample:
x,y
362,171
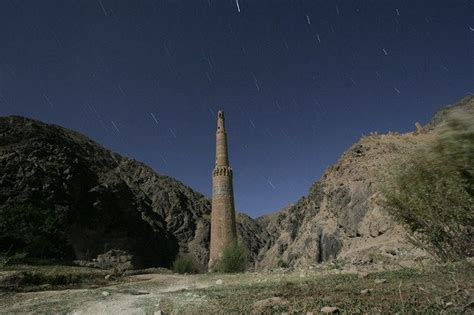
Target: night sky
x,y
299,81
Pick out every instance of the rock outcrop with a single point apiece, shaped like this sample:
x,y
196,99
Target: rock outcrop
x,y
106,201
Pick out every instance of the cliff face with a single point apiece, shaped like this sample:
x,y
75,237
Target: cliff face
x,y
342,216
105,201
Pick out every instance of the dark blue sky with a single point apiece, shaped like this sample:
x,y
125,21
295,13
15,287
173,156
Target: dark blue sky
x,y
299,81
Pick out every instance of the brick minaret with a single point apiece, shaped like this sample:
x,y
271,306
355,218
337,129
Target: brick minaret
x,y
223,228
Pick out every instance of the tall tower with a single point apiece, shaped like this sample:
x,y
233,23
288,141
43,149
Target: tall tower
x,y
223,227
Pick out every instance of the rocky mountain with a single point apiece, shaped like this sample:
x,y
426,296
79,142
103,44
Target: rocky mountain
x,y
101,200
343,216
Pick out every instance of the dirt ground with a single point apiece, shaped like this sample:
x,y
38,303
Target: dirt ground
x,y
437,289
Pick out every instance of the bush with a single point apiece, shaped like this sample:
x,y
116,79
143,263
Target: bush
x,y
432,190
281,263
233,259
185,264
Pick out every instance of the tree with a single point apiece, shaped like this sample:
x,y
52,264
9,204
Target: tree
x,y
32,230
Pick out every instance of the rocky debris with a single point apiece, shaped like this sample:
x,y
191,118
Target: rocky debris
x,y
263,305
380,281
115,259
219,281
365,291
330,310
105,293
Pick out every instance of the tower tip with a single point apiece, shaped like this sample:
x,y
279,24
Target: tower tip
x,y
220,114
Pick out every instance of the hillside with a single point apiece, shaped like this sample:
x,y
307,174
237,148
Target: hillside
x,y
342,216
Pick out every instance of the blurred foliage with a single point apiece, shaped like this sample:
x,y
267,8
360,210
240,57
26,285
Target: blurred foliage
x,y
431,191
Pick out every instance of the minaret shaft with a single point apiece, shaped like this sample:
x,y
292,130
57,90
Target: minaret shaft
x,y
223,226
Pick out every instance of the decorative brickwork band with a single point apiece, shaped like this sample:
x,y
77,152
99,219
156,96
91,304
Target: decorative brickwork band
x,y
222,171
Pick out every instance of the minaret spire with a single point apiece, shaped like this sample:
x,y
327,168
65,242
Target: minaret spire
x,y
223,226
222,158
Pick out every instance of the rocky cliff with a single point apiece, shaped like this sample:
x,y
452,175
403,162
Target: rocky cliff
x,y
343,216
101,200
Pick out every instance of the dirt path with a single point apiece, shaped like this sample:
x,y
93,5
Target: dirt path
x,y
141,296
138,298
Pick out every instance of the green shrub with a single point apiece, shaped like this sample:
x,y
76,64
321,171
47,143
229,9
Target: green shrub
x,y
185,264
32,230
432,190
233,259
